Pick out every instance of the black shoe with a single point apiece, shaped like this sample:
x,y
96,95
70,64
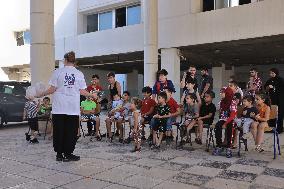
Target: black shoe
x,y
116,133
121,140
70,157
34,141
28,137
99,138
198,141
59,157
104,135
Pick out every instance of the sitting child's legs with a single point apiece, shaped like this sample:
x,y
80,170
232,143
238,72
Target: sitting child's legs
x,y
218,133
108,126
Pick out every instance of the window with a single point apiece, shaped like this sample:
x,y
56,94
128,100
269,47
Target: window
x,y
208,5
23,37
92,23
134,15
120,17
219,4
105,21
242,2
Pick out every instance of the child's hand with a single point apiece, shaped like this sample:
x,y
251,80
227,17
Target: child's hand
x,y
257,117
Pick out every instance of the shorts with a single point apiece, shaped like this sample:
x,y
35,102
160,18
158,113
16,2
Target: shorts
x,y
147,119
91,117
33,123
207,121
170,121
159,125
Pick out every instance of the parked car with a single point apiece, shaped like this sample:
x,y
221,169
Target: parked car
x,y
12,101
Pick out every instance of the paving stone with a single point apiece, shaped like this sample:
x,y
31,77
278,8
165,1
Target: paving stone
x,y
38,173
274,172
246,168
206,171
141,182
158,173
186,161
87,183
253,162
191,179
148,162
215,164
118,186
113,175
270,181
257,186
235,175
171,185
12,180
34,185
220,183
60,178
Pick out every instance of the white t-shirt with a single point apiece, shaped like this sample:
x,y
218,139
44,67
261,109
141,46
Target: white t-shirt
x,y
68,82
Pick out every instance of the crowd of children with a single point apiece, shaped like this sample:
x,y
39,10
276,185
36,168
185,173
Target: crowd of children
x,y
159,109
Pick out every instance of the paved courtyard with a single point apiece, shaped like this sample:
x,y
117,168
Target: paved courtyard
x,y
112,166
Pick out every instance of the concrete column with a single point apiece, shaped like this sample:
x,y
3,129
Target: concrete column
x,y
150,14
170,61
196,6
132,83
42,40
218,74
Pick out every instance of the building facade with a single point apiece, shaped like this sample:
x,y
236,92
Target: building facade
x,y
137,37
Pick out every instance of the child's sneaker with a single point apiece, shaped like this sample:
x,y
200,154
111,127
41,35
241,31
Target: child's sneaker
x,y
259,149
246,136
229,153
216,151
28,137
34,141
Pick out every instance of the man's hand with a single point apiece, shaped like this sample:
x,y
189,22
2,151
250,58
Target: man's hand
x,y
156,116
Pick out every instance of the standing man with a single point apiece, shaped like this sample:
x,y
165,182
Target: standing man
x,y
114,86
66,85
255,84
207,82
275,89
187,76
94,88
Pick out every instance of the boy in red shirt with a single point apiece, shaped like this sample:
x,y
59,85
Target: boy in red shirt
x,y
147,109
175,112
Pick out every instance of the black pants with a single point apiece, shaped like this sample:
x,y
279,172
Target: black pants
x,y
33,123
91,125
228,133
65,129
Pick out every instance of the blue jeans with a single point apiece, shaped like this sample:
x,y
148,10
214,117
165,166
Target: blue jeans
x,y
168,125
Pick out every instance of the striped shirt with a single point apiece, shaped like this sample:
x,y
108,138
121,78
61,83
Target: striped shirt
x,y
31,108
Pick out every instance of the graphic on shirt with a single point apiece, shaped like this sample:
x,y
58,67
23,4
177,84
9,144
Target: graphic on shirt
x,y
69,79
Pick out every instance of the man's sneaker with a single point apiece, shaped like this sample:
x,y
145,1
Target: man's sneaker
x,y
216,151
59,157
34,141
229,153
70,157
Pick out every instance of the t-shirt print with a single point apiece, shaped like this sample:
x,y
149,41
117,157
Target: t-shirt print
x,y
69,80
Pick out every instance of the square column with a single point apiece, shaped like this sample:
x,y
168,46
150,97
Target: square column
x,y
218,74
170,61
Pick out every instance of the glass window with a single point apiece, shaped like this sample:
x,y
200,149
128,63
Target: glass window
x,y
208,5
219,4
242,2
92,23
27,37
120,15
105,20
134,15
19,38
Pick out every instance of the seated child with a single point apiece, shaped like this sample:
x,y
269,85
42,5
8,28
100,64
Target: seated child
x,y
260,123
206,114
190,89
191,112
160,120
114,114
248,116
88,113
147,109
135,123
45,107
228,111
30,113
